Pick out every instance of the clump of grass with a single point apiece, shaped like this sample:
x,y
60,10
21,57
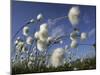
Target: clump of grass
x,y
87,64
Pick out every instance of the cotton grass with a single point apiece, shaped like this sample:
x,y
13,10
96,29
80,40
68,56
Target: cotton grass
x,y
57,57
73,15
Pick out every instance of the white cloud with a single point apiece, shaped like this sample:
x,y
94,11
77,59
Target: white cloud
x,y
58,31
91,32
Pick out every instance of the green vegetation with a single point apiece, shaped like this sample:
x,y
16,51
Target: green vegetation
x,y
87,64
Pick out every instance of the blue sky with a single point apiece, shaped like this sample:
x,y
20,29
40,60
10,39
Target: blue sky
x,y
24,11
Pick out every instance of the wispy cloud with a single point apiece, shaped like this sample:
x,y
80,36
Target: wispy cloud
x,y
51,23
91,32
56,30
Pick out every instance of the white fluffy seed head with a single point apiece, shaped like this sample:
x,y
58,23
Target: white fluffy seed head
x,y
43,35
41,45
18,38
16,42
20,45
24,48
84,36
57,57
36,35
25,31
32,20
73,44
43,27
66,47
49,39
39,17
73,35
43,32
75,68
73,15
29,40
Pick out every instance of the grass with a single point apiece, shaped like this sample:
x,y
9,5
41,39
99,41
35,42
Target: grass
x,y
87,64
